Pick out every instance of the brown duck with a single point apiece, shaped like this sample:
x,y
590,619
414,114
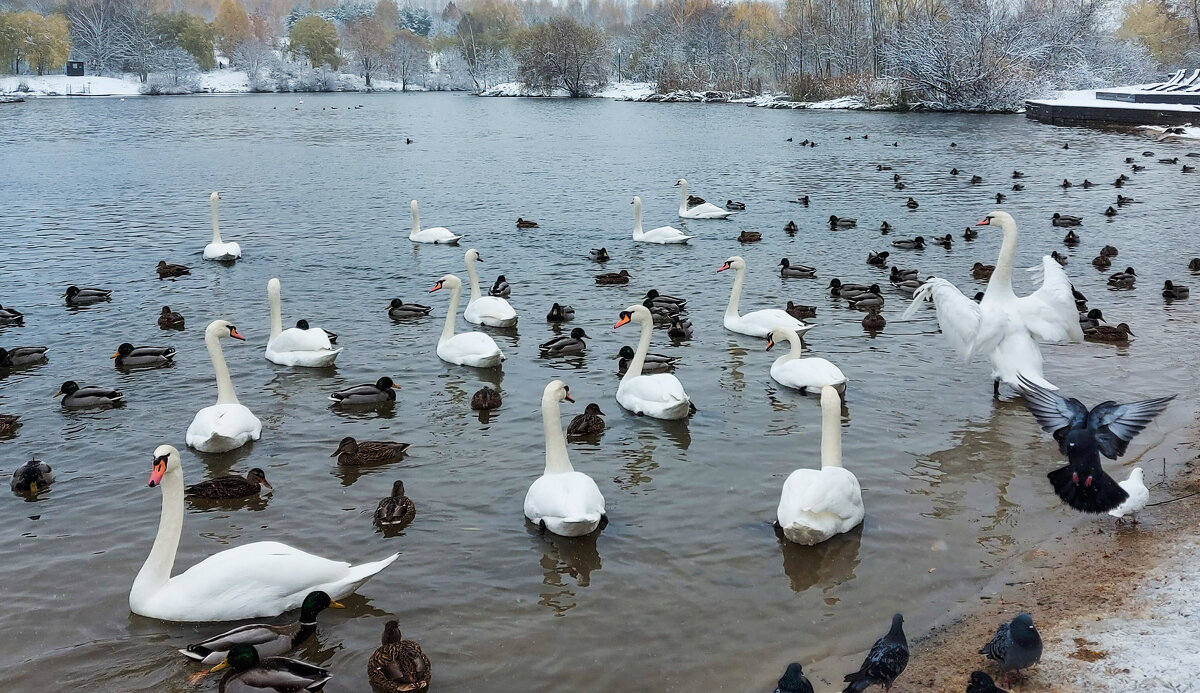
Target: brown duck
x,y
398,664
982,271
749,237
621,277
9,423
800,312
526,223
486,399
231,486
350,452
169,319
1107,333
589,423
167,270
397,509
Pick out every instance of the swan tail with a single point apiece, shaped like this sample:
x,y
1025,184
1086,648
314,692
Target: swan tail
x,y
359,574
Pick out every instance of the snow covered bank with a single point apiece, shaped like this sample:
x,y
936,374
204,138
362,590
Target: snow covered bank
x,y
1161,134
623,91
226,81
61,85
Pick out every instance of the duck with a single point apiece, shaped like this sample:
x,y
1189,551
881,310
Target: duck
x,y
1137,168
900,275
218,249
1119,334
621,277
911,204
31,477
560,313
842,222
787,269
17,357
1059,258
917,243
588,424
1018,174
382,391
873,320
267,640
1002,326
1000,197
1119,182
1018,187
468,348
1102,262
307,348
673,303
169,319
790,370
837,288
399,310
1071,239
85,297
166,270
654,363
660,396
1172,160
526,223
565,345
976,180
878,259
87,397
1065,184
1123,280
693,200
1122,200
901,185
397,509
703,210
486,398
11,316
1110,212
563,501
791,227
9,423
354,453
1194,264
128,355
803,200
663,235
756,323
734,205
908,287
1188,169
500,288
1065,220
1091,319
250,673
598,255
679,329
1087,183
228,424
885,227
231,486
800,312
970,234
437,235
954,171
249,581
1109,251
749,237
1139,495
944,241
494,310
868,300
1172,291
818,504
982,271
398,664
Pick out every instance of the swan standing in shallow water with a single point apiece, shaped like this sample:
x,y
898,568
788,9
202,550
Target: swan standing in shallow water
x,y
758,323
662,235
265,578
1002,326
563,501
492,311
310,348
818,504
706,210
790,370
219,250
469,348
437,234
228,424
661,395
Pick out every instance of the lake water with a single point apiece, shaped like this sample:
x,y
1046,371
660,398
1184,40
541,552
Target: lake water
x,y
688,587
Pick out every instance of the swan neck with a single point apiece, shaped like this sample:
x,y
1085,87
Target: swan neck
x,y
682,198
557,461
276,310
1002,277
643,348
735,296
416,222
472,277
225,393
831,432
215,223
451,313
794,352
637,219
156,571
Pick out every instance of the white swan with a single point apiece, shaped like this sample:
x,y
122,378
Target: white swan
x,y
790,370
492,311
469,348
228,424
437,234
661,395
296,347
265,578
818,504
706,210
219,250
1002,326
758,323
564,501
662,235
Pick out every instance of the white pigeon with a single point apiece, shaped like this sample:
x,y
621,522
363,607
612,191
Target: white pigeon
x,y
1138,496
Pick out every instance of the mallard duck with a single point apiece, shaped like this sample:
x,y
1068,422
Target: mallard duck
x,y
11,316
680,329
351,452
397,509
1137,168
589,423
128,355
1080,299
1123,280
1071,239
1194,264
1018,187
23,356
85,297
911,204
1110,212
734,205
674,304
302,324
1000,197
1065,184
970,234
870,300
1188,169
873,320
560,313
75,397
598,255
791,227
917,243
32,477
9,423
908,287
1122,200
976,180
382,390
1109,251
1172,291
899,275
787,269
564,345
660,314
526,223
800,312
944,241
398,310
982,271
885,227
655,363
1091,319
267,640
837,288
1107,333
1172,160
500,288
169,319
900,185
1102,262
842,222
694,200
896,177
251,674
1059,258
877,259
398,664
882,167
749,237
1065,220
165,270
486,399
621,277
1018,174
231,486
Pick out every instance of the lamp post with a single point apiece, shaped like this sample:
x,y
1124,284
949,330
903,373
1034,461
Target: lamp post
x,y
618,64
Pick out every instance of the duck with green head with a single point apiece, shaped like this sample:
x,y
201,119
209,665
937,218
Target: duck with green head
x,y
267,640
252,674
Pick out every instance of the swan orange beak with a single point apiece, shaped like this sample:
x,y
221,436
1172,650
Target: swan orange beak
x,y
770,342
436,287
156,475
567,396
236,335
623,321
985,222
723,267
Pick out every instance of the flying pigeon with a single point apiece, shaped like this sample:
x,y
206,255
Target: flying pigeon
x,y
1083,483
794,681
1016,645
885,661
982,683
1112,424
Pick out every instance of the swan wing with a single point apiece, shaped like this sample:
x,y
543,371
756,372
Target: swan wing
x,y
1016,355
760,323
958,316
471,346
229,421
661,388
812,372
491,307
665,234
296,339
833,490
1049,313
569,497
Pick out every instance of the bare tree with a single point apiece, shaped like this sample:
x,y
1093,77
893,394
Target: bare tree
x,y
96,26
409,58
562,53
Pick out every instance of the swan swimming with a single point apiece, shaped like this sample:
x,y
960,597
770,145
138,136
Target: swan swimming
x,y
757,323
492,311
705,210
467,348
310,348
661,395
228,424
566,502
437,234
218,249
662,235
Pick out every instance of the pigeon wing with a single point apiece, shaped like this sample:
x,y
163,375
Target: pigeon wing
x,y
1054,413
1116,424
997,648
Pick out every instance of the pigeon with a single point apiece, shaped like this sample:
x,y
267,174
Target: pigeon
x,y
885,661
1135,486
982,683
1113,425
1016,645
1083,484
794,681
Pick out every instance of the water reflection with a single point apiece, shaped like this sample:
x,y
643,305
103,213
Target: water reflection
x,y
209,505
219,463
563,560
825,565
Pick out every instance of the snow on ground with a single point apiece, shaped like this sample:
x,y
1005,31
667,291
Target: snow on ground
x,y
780,101
1187,132
1087,99
225,82
61,85
626,91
